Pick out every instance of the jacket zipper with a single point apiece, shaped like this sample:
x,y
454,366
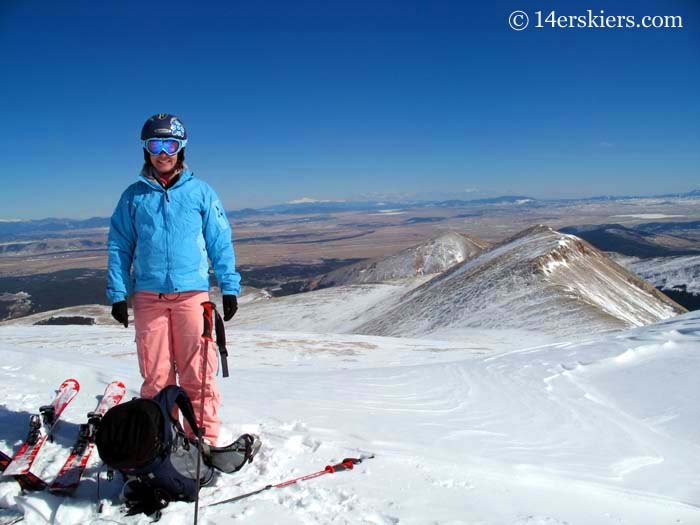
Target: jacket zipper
x,y
168,255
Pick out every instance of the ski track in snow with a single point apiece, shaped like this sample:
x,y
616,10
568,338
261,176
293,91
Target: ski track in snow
x,y
578,432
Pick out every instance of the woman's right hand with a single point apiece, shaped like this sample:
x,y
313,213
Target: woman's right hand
x,y
121,313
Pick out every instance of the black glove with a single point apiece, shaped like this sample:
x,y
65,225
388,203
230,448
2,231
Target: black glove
x,y
230,306
121,313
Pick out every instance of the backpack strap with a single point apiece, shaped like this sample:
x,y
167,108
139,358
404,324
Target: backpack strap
x,y
141,498
173,395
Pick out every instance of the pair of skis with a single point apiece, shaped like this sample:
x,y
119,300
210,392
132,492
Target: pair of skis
x,y
41,427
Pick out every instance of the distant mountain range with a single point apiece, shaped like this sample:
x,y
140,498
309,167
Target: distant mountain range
x,y
19,229
504,200
344,206
15,230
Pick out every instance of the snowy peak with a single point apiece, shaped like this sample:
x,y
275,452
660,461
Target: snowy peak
x,y
432,257
539,279
567,250
578,267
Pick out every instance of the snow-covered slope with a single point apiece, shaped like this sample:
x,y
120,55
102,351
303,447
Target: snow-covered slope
x,y
644,240
339,309
590,432
434,256
666,272
540,280
101,314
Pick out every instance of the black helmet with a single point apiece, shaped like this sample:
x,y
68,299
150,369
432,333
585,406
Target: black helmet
x,y
163,125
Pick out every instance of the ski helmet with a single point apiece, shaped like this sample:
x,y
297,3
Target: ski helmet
x,y
163,125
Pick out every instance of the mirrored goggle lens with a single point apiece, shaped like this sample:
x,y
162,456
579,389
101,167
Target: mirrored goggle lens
x,y
169,146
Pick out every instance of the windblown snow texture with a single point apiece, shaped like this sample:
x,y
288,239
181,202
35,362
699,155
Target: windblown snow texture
x,y
598,431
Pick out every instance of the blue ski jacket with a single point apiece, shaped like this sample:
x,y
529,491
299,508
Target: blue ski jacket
x,y
167,235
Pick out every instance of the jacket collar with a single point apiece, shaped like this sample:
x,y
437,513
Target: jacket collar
x,y
148,176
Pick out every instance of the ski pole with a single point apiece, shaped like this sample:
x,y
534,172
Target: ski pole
x,y
346,464
206,339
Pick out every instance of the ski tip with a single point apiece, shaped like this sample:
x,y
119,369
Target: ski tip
x,y
72,383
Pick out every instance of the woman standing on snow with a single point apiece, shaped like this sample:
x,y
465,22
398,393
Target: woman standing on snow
x,y
166,225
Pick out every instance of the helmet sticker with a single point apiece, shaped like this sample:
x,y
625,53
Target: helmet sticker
x,y
176,128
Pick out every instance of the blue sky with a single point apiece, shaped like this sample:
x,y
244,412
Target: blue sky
x,y
338,100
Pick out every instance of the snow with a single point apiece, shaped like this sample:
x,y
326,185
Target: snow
x,y
310,200
666,272
592,429
331,310
551,266
432,257
650,216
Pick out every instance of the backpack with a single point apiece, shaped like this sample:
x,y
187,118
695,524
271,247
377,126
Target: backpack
x,y
147,445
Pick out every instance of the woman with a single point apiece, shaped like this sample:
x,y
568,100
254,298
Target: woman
x,y
166,226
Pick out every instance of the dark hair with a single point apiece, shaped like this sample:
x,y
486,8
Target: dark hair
x,y
178,165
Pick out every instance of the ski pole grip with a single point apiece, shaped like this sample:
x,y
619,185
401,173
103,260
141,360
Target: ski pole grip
x,y
208,315
346,464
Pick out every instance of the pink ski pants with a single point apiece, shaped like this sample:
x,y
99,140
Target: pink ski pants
x,y
169,347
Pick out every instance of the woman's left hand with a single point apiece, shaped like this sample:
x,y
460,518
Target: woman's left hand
x,y
230,306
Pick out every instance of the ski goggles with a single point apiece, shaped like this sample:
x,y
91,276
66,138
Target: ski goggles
x,y
169,146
